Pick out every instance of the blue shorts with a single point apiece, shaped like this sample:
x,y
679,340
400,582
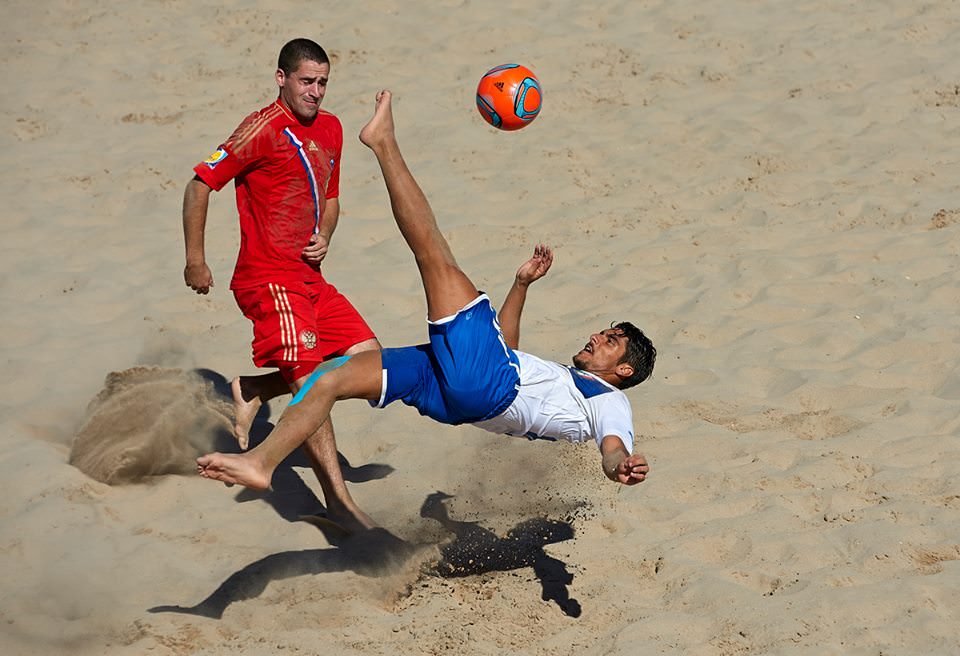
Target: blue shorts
x,y
466,373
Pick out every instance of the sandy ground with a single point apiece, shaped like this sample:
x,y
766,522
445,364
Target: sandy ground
x,y
769,189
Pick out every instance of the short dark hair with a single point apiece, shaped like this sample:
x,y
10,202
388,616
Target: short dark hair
x,y
640,353
298,50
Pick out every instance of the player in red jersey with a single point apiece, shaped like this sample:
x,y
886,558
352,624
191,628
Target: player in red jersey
x,y
285,162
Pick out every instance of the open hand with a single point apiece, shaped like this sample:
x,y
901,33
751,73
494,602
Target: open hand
x,y
537,266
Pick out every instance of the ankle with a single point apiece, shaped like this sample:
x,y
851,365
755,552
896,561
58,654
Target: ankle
x,y
249,391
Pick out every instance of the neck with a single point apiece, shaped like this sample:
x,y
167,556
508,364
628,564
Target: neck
x,y
286,107
606,375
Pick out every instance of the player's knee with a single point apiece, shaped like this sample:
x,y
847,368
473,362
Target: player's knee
x,y
295,373
439,265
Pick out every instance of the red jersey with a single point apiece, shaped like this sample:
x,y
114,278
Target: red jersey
x,y
284,173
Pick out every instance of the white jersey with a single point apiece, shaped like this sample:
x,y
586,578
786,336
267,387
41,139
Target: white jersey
x,y
559,402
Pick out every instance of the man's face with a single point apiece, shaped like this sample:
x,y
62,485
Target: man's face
x,y
303,90
603,352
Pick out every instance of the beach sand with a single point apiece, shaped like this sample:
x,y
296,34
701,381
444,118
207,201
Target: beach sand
x,y
770,190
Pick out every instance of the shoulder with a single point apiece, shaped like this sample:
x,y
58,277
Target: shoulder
x,y
614,400
266,122
324,115
271,115
611,414
329,121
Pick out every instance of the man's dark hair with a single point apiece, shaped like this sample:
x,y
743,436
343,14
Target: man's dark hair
x,y
298,50
640,354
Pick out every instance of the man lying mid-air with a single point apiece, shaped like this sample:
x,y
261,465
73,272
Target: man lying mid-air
x,y
469,372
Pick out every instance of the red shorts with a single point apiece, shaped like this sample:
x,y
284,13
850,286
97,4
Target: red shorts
x,y
297,326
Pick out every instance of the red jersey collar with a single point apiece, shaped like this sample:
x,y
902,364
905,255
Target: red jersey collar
x,y
286,110
290,115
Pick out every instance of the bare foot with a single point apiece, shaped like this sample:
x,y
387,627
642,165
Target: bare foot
x,y
380,128
244,412
232,468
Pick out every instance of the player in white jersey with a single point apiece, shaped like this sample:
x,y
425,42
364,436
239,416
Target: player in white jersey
x,y
469,372
559,402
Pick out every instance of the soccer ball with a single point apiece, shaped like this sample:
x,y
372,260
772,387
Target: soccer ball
x,y
508,97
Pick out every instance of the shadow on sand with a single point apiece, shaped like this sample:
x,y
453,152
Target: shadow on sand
x,y
473,550
370,553
477,550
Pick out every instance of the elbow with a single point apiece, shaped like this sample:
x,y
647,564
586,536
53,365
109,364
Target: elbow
x,y
197,188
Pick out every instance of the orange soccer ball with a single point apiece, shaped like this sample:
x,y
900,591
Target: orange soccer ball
x,y
509,97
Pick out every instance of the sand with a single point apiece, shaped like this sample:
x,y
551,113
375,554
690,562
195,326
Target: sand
x,y
769,189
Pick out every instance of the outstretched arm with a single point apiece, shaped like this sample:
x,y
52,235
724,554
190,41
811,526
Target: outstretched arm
x,y
620,466
530,271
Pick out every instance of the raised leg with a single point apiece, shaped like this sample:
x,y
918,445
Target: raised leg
x,y
249,393
321,451
446,287
358,378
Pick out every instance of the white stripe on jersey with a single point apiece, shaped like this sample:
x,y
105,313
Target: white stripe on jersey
x,y
310,175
